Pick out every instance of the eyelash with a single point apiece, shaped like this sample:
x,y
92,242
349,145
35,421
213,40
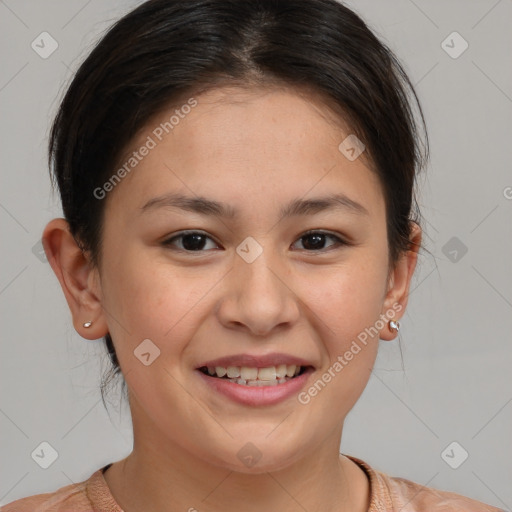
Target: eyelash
x,y
339,241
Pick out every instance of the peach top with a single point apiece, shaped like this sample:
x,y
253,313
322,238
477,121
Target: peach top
x,y
388,494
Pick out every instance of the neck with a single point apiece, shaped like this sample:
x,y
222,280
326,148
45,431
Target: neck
x,y
157,480
167,472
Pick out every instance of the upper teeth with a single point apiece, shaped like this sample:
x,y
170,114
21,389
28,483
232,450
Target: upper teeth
x,y
250,373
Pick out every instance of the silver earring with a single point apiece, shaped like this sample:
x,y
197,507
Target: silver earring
x,y
394,326
87,324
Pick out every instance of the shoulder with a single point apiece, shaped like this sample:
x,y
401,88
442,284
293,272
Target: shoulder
x,y
390,493
410,496
70,497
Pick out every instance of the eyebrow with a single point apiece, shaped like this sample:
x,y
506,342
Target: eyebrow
x,y
205,206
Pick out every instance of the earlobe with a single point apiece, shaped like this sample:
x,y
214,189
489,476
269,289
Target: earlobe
x,y
77,279
400,280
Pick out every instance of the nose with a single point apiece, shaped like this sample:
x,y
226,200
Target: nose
x,y
258,297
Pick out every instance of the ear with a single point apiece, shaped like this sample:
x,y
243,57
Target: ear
x,y
79,281
399,282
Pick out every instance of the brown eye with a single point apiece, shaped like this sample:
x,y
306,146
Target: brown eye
x,y
191,241
315,240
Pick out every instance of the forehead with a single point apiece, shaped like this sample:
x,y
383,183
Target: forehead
x,y
281,120
235,142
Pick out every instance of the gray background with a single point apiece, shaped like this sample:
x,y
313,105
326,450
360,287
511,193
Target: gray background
x,y
456,334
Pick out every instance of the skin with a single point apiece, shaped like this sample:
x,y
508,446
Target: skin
x,y
255,150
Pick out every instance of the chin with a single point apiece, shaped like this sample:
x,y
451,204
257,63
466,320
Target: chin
x,y
255,458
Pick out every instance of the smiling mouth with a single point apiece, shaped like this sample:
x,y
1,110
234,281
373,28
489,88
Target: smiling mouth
x,y
252,376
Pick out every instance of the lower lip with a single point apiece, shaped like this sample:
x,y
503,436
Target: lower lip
x,y
257,395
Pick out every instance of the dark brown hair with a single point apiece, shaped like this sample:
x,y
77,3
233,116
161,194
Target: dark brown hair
x,y
166,50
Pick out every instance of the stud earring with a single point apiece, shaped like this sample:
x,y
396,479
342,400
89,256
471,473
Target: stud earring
x,y
394,326
87,324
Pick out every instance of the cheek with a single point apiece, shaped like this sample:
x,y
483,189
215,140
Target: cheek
x,y
148,298
141,300
349,298
348,303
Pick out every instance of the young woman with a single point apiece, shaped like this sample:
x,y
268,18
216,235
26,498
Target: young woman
x,y
237,180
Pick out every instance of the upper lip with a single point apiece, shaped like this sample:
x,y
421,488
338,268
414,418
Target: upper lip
x,y
259,361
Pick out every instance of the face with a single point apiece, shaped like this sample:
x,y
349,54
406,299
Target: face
x,y
251,284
